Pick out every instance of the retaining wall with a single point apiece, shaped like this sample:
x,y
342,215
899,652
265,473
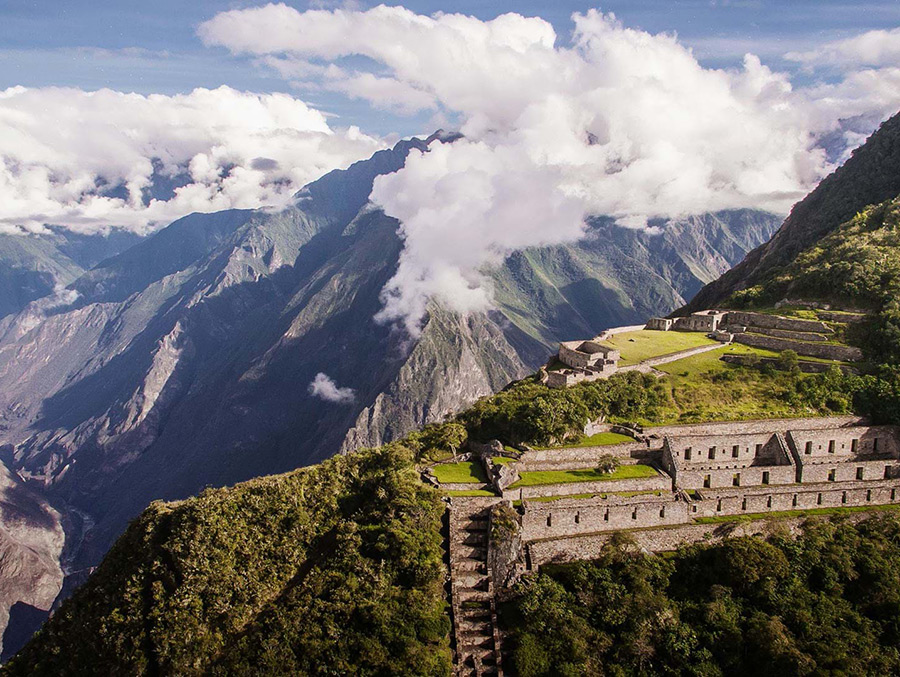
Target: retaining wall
x,y
568,517
805,367
825,351
775,322
660,482
726,477
755,426
580,457
784,333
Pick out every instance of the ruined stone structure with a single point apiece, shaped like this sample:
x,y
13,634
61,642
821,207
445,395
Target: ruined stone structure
x,y
704,474
760,330
711,461
585,361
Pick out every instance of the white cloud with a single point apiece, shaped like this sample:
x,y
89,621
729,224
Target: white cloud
x,y
879,48
325,388
621,122
60,146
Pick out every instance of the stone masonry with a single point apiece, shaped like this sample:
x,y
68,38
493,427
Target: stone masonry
x,y
706,471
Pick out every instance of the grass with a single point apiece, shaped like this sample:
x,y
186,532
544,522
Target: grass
x,y
470,492
598,440
503,460
637,346
782,514
704,388
623,472
467,472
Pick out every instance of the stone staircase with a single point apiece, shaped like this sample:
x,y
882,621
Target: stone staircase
x,y
472,596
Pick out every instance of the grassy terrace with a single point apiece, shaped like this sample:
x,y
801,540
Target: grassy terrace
x,y
784,514
470,492
637,346
460,473
623,472
704,388
598,440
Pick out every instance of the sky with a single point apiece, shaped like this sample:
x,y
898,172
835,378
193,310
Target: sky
x,y
131,114
152,47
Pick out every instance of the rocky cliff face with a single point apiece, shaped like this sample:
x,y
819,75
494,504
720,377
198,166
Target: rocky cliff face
x,y
185,360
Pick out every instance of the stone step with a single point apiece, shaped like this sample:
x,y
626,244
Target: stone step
x,y
470,579
470,552
472,538
479,615
468,595
470,631
469,565
476,525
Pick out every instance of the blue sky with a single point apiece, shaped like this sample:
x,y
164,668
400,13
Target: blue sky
x,y
150,47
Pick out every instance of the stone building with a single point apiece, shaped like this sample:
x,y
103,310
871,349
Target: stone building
x,y
704,320
588,355
708,461
845,454
585,361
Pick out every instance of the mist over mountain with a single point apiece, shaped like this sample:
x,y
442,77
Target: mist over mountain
x,y
869,177
187,359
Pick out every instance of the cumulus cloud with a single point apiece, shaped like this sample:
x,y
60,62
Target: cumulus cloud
x,y
619,122
90,160
879,48
324,387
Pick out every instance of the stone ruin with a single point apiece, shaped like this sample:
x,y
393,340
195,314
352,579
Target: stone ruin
x,y
703,474
584,361
810,338
702,471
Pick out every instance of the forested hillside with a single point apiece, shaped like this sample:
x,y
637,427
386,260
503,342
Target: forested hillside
x,y
332,570
827,603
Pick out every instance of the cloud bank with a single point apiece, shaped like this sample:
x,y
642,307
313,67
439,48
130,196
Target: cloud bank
x,y
618,122
324,387
89,160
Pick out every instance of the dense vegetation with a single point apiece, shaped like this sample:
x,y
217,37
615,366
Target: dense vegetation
x,y
331,570
827,603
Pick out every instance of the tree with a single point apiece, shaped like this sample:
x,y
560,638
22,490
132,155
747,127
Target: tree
x,y
607,464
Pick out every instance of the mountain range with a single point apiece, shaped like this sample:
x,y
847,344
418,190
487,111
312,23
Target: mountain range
x,y
185,359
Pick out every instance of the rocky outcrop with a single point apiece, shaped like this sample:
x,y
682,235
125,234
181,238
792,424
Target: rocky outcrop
x,y
31,544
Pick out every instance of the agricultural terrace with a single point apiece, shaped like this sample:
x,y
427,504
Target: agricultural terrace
x,y
623,472
467,472
640,345
598,440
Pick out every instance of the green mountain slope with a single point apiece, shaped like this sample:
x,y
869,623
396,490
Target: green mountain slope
x,y
871,176
332,570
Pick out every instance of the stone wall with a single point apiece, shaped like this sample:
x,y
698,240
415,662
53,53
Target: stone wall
x,y
660,482
774,322
659,324
821,350
714,503
804,366
744,476
568,517
841,443
580,457
754,426
796,335
553,551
